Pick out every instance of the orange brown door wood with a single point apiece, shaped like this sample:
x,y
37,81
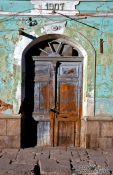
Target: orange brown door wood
x,y
67,112
57,102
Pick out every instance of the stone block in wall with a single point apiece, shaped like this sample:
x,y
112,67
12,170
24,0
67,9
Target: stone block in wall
x,y
9,142
2,127
107,129
83,133
10,131
99,132
13,127
105,143
91,141
93,128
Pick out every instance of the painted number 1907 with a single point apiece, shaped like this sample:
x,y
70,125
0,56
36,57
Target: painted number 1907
x,y
56,6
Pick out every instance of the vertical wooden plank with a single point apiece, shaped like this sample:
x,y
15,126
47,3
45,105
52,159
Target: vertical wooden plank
x,y
52,120
74,133
77,136
56,128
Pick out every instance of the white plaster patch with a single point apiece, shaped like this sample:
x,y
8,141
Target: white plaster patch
x,y
43,7
54,27
21,45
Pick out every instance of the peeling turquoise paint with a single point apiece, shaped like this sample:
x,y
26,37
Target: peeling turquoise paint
x,y
96,6
15,6
104,95
10,71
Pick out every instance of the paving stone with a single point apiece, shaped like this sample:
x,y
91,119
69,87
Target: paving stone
x,y
10,154
18,169
75,156
99,161
63,162
79,165
15,173
109,157
4,163
49,166
45,151
39,149
61,154
22,168
94,152
87,169
110,165
60,157
57,150
83,155
42,155
75,159
56,161
39,156
74,152
26,156
97,157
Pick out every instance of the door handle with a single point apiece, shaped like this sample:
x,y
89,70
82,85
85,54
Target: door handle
x,y
54,110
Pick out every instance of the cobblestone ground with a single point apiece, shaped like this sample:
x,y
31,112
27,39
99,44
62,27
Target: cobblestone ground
x,y
56,161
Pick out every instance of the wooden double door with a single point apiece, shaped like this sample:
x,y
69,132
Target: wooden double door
x,y
57,102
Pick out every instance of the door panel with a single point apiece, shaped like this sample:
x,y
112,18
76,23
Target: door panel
x,y
67,97
68,103
65,133
43,90
43,99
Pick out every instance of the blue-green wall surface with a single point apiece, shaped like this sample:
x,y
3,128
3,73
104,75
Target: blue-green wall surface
x,y
10,70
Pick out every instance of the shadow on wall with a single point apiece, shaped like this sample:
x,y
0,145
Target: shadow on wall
x,y
28,124
28,127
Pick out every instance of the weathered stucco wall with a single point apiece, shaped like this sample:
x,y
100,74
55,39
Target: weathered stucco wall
x,y
12,46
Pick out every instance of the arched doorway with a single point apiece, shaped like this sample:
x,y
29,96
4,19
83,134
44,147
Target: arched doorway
x,y
52,89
